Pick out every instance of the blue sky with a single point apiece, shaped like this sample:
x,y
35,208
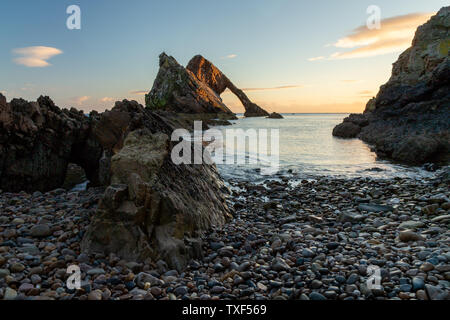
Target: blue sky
x,y
259,44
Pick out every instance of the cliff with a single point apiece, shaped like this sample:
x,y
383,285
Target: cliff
x,y
409,119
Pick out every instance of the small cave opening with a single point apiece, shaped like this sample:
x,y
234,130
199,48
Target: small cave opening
x,y
76,178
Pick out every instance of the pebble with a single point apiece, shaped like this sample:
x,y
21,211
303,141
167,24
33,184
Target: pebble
x,y
316,296
408,236
314,242
40,231
10,294
95,295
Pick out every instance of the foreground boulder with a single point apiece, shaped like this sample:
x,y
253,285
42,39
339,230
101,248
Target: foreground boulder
x,y
409,120
209,74
37,142
153,209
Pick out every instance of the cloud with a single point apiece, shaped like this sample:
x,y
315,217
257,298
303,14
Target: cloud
x,y
107,99
350,81
230,56
316,58
273,88
139,92
268,89
80,100
35,57
395,35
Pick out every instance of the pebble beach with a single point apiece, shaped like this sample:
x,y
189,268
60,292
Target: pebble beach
x,y
309,240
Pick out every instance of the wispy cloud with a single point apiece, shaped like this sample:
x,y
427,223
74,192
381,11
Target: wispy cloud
x,y
35,57
366,94
107,99
139,92
273,88
350,81
316,58
79,100
230,56
268,89
395,35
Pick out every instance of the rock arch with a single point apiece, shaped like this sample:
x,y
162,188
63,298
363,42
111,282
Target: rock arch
x,y
208,73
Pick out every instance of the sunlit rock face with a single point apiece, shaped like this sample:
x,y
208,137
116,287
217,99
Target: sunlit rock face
x,y
208,73
409,120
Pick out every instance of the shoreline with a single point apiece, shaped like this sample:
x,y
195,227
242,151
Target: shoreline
x,y
312,241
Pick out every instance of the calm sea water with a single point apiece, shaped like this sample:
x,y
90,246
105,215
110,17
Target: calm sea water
x,y
308,149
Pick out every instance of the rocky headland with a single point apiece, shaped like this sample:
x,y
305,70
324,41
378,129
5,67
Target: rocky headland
x,y
409,120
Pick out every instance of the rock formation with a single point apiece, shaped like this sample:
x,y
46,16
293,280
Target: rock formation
x,y
409,120
37,142
275,115
208,73
195,90
153,209
176,89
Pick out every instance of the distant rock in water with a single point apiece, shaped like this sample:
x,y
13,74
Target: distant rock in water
x,y
209,74
409,120
275,115
37,142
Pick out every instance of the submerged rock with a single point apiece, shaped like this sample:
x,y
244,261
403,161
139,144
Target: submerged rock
x,y
275,115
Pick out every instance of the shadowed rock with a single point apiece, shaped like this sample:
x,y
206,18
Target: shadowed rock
x,y
275,115
153,209
409,120
37,142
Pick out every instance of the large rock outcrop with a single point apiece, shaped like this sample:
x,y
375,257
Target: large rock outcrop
x,y
37,142
153,209
195,90
176,89
208,73
409,120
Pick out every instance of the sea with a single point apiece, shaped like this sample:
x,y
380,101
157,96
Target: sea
x,y
307,150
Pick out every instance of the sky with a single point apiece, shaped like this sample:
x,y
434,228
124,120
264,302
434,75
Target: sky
x,y
288,55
